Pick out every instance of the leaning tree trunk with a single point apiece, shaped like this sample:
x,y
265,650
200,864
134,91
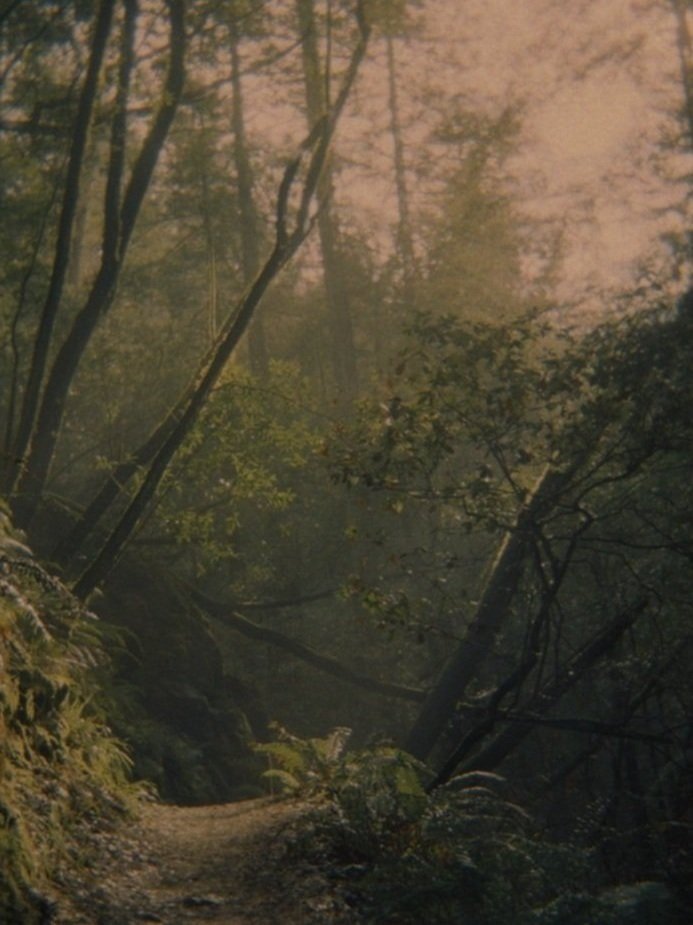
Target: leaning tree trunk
x,y
490,757
226,614
492,611
289,235
67,549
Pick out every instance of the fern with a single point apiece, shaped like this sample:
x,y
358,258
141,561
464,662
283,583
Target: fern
x,y
464,853
302,766
58,760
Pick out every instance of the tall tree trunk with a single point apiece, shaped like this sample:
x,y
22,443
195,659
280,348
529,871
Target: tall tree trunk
x,y
250,220
342,347
405,239
288,238
61,258
685,51
119,223
14,330
492,611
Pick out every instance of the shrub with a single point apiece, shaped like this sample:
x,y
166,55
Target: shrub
x,y
59,762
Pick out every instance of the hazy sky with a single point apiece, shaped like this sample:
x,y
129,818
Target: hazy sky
x,y
596,76
595,79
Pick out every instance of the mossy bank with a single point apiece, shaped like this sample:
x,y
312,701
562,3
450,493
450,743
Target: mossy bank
x,y
61,768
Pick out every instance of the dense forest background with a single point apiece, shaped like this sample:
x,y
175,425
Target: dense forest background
x,y
345,378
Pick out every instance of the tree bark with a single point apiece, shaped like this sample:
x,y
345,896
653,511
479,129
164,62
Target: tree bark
x,y
319,660
116,240
339,312
61,258
8,460
288,238
67,549
683,42
69,546
685,53
250,220
573,671
405,240
491,613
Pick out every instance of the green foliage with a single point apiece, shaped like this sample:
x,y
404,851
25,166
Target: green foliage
x,y
443,461
379,795
58,759
462,393
463,852
437,465
239,469
302,766
474,413
635,904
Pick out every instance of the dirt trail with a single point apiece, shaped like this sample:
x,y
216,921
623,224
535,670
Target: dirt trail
x,y
229,865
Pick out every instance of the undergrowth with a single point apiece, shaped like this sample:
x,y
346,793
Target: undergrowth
x,y
60,766
463,854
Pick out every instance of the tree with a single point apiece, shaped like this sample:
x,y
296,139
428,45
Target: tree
x,y
472,264
492,611
317,87
250,219
119,219
680,8
288,238
595,564
120,210
53,299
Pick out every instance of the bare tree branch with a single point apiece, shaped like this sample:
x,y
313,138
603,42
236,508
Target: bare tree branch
x,y
319,660
287,240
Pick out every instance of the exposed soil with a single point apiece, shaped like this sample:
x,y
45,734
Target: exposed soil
x,y
234,864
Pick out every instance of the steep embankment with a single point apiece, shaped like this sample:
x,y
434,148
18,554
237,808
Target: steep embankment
x,y
61,769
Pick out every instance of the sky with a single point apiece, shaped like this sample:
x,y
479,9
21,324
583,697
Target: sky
x,y
596,77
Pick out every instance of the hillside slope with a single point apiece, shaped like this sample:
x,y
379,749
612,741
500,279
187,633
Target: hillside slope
x,y
61,769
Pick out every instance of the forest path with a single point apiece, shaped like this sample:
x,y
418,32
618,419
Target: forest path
x,y
230,864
